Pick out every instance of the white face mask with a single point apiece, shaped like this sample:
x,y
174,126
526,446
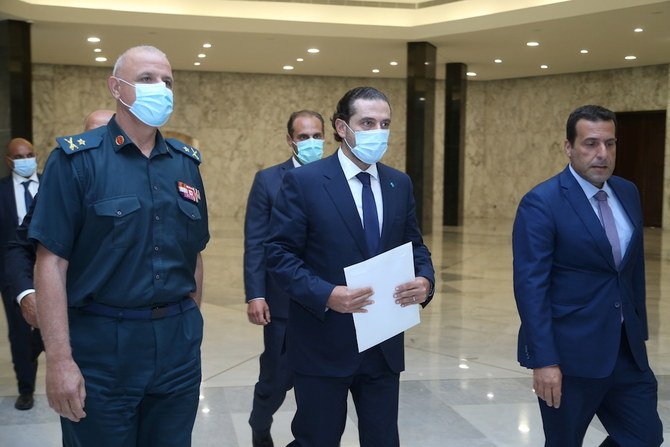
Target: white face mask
x,y
371,145
153,103
25,167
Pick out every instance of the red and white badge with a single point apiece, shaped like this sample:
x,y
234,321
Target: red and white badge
x,y
188,192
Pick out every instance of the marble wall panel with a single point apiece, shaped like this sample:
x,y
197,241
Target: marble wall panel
x,y
516,127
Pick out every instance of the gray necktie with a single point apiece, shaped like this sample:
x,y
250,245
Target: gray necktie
x,y
609,225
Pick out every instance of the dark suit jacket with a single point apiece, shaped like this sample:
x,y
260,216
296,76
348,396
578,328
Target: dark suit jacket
x,y
8,222
20,257
569,294
257,283
316,233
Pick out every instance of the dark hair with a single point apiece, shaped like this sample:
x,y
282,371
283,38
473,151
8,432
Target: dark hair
x,y
298,114
345,107
589,113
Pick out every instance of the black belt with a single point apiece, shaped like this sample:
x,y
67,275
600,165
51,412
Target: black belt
x,y
149,313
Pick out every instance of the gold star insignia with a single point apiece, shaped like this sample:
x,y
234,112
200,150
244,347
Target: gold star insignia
x,y
81,142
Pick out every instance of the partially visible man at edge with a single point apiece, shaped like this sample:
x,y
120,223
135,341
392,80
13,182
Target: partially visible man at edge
x,y
267,304
20,255
119,270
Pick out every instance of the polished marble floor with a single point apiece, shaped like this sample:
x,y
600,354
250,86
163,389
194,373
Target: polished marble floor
x,y
462,387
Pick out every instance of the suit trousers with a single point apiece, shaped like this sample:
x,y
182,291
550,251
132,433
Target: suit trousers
x,y
322,405
142,380
625,402
25,344
275,377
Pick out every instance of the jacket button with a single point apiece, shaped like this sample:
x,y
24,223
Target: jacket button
x,y
617,305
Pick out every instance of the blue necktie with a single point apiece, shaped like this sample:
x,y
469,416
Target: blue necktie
x,y
26,194
370,220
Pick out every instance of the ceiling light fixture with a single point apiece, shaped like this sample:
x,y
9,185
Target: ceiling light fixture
x,y
101,59
97,50
497,61
300,59
375,70
202,55
288,67
584,51
93,39
544,66
472,74
638,30
533,44
313,50
207,45
196,63
394,63
630,58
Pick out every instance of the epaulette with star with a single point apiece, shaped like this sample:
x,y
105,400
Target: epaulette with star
x,y
77,143
184,148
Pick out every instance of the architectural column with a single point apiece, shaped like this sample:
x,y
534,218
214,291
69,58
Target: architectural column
x,y
420,127
455,92
16,104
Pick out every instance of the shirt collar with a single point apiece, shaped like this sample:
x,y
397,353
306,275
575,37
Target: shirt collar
x,y
296,163
351,170
589,189
18,180
120,139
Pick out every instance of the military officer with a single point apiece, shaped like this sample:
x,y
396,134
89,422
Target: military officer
x,y
120,225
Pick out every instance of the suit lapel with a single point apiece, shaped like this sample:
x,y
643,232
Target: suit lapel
x,y
9,194
628,204
389,188
338,190
574,194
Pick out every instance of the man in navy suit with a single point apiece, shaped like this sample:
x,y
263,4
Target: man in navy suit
x,y
267,303
16,194
580,291
331,214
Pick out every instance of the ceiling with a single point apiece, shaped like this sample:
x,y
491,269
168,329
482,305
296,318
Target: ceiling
x,y
354,37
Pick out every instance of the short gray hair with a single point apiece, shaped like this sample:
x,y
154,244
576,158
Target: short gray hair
x,y
122,59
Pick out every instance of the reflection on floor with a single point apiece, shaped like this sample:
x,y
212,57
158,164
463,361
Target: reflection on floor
x,y
462,387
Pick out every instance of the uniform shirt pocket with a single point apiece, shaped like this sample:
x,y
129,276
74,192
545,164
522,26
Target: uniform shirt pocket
x,y
119,216
190,217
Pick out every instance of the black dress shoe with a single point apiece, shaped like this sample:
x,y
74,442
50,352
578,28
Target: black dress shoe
x,y
261,439
24,402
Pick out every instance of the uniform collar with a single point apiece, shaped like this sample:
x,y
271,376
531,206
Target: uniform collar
x,y
120,139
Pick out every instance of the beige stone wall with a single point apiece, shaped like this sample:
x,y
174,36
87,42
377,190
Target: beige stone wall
x,y
514,128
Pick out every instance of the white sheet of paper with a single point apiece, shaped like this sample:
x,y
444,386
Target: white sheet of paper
x,y
383,273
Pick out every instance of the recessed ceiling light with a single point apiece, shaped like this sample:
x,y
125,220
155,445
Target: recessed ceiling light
x,y
426,63
584,51
630,58
533,44
471,74
101,59
93,39
544,66
202,55
638,30
497,61
394,63
313,50
375,70
288,67
196,63
207,45
300,59
97,50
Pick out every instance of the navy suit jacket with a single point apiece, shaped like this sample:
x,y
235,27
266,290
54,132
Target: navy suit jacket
x,y
257,283
316,232
8,222
569,294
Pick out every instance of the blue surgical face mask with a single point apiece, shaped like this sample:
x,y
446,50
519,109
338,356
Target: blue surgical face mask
x,y
153,103
371,145
25,167
308,150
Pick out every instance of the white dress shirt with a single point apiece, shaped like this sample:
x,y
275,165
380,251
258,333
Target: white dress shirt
x,y
19,192
350,171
